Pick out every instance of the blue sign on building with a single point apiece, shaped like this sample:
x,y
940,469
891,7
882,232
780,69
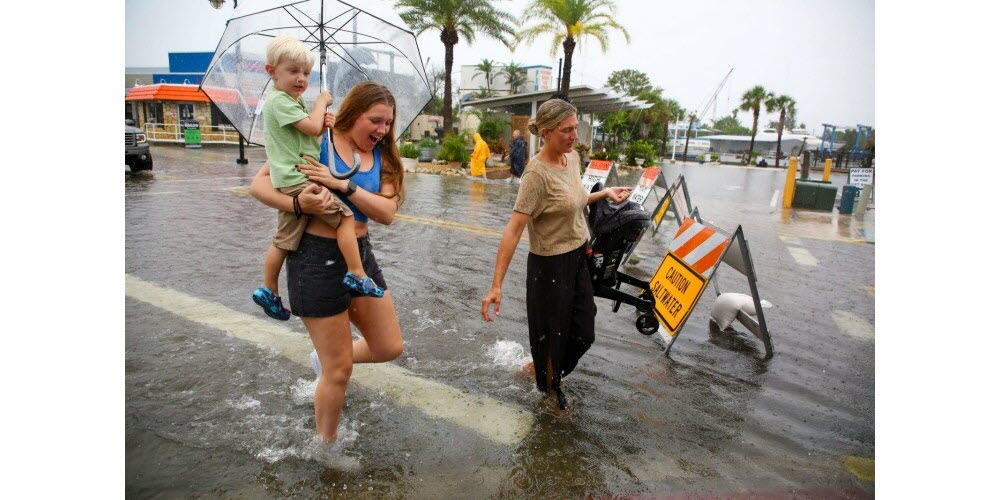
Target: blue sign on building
x,y
189,62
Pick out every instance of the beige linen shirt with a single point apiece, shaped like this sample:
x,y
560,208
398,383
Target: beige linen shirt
x,y
553,198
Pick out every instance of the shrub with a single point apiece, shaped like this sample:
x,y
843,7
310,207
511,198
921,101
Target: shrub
x,y
453,149
427,142
641,149
492,130
409,151
599,155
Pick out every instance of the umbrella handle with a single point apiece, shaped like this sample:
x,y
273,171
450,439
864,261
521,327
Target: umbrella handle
x,y
350,173
333,171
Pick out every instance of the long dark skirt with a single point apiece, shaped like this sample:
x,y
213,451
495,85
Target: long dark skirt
x,y
561,314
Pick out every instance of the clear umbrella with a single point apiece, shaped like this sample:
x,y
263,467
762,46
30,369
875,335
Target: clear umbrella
x,y
352,45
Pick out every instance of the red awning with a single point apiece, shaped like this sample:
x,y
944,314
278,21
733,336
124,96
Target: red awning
x,y
187,93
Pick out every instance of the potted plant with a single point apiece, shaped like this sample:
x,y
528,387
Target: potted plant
x,y
410,153
583,150
428,149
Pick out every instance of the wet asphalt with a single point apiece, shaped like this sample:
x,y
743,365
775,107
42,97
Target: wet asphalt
x,y
214,415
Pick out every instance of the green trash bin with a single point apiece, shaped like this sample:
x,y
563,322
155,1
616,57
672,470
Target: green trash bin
x,y
847,198
192,134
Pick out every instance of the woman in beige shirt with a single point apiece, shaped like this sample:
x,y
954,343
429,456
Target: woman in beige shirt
x,y
551,202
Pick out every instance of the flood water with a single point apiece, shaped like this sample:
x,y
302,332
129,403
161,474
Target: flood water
x,y
211,413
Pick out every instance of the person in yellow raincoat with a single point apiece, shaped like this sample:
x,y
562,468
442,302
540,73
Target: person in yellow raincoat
x,y
479,156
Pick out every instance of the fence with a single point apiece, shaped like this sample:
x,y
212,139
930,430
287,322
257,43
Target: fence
x,y
174,132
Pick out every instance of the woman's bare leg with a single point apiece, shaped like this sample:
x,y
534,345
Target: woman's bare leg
x,y
381,337
331,337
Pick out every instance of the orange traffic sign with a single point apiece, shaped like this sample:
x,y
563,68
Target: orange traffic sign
x,y
676,289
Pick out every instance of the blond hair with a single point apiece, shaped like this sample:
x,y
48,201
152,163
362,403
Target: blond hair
x,y
360,99
283,47
550,114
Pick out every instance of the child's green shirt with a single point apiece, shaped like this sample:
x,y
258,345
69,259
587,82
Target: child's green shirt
x,y
284,143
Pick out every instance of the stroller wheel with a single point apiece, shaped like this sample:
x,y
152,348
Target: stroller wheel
x,y
647,324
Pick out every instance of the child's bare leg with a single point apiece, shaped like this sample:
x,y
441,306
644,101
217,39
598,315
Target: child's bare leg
x,y
347,240
273,261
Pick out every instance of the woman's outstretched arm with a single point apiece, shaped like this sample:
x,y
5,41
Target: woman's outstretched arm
x,y
505,252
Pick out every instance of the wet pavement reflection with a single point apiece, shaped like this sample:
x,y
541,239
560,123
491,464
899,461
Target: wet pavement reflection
x,y
212,414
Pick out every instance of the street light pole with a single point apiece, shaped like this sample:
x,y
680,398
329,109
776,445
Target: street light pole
x,y
217,4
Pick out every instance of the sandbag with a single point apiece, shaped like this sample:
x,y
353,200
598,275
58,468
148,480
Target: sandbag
x,y
728,305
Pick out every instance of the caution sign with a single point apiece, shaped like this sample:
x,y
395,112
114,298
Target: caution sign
x,y
645,184
676,289
597,171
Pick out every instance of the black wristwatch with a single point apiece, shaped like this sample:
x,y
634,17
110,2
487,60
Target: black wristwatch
x,y
351,188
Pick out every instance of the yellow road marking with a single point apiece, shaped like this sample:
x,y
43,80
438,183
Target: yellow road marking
x,y
863,468
487,416
449,224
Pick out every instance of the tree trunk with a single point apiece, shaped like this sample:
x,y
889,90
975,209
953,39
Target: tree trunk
x,y
450,39
568,45
753,134
781,127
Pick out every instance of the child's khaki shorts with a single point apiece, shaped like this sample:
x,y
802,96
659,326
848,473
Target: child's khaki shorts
x,y
290,228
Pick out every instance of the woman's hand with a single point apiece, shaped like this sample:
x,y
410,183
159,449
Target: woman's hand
x,y
320,174
617,194
316,200
491,298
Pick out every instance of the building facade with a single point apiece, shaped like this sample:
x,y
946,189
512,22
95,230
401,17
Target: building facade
x,y
162,100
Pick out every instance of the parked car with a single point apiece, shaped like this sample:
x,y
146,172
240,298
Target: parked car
x,y
137,155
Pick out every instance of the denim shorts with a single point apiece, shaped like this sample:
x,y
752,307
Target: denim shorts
x,y
315,273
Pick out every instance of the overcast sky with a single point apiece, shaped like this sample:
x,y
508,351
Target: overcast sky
x,y
821,53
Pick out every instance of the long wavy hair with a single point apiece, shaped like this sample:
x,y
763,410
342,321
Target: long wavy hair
x,y
361,98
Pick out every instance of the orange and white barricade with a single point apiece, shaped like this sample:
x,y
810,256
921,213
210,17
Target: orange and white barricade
x,y
697,251
597,171
700,246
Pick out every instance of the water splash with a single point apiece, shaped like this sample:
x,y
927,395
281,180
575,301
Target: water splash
x,y
507,354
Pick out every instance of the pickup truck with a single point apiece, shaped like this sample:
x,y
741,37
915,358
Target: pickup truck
x,y
137,155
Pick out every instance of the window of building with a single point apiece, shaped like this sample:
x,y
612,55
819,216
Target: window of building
x,y
218,118
129,115
154,113
185,111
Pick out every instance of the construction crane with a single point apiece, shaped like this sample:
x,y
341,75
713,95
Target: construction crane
x,y
710,102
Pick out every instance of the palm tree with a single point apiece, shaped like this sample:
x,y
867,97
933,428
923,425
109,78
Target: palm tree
x,y
486,68
672,111
782,105
752,99
651,114
452,18
687,137
567,21
514,76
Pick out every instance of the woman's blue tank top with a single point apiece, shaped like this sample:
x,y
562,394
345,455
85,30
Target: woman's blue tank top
x,y
370,181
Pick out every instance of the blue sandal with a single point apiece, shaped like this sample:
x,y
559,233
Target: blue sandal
x,y
264,297
362,287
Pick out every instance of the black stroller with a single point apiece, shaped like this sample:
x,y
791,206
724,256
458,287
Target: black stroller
x,y
615,231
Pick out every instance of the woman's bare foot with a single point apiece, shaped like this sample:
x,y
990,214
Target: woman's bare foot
x,y
528,368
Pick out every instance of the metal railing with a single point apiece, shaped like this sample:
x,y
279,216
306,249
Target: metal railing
x,y
174,132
